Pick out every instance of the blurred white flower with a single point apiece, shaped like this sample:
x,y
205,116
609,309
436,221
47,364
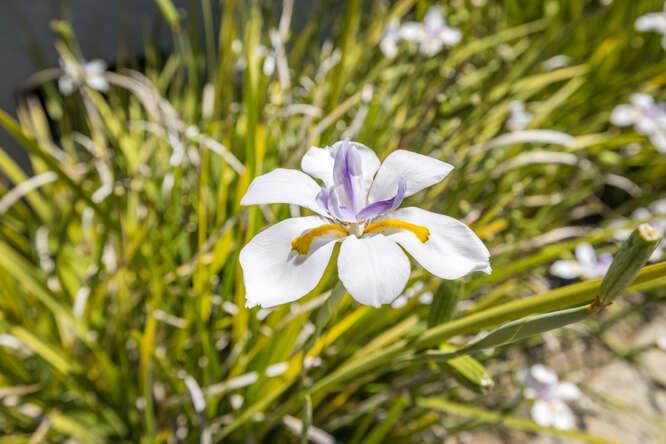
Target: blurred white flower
x,y
654,21
656,215
76,75
519,118
432,34
647,117
390,39
556,62
357,204
587,264
550,396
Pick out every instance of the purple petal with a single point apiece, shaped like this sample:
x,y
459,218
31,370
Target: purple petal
x,y
348,177
328,200
383,206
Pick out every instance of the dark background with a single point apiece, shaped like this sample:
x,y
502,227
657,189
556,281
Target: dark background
x,y
103,28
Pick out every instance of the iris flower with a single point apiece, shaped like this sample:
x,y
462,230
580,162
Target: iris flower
x,y
432,34
550,395
87,73
357,203
586,265
647,117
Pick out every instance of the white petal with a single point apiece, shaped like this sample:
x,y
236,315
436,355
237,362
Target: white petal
x,y
452,250
318,163
374,270
419,172
658,139
98,82
543,374
623,115
541,413
659,206
563,417
566,269
434,18
450,36
642,100
283,186
95,66
66,85
645,125
389,47
411,31
567,391
655,21
275,274
585,254
431,46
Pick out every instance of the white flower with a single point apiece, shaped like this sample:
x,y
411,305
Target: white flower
x,y
654,21
549,395
76,75
647,117
519,118
432,34
357,206
656,214
586,265
556,62
390,39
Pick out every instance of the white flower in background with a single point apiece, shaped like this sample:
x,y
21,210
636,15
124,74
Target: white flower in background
x,y
76,75
656,215
519,118
550,396
390,39
556,62
654,21
432,34
587,264
647,117
358,205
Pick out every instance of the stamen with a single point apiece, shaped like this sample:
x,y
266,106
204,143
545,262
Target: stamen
x,y
421,232
302,243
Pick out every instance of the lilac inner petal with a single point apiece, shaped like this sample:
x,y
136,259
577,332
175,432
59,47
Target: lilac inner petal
x,y
328,200
604,261
348,177
383,206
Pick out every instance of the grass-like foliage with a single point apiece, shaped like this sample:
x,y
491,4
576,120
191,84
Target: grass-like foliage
x,y
122,308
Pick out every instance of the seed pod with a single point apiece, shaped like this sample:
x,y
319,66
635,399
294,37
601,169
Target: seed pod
x,y
632,255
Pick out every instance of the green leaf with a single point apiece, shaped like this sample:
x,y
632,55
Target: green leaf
x,y
517,330
468,369
444,302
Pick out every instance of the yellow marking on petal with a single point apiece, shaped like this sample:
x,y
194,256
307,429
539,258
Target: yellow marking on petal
x,y
421,232
303,243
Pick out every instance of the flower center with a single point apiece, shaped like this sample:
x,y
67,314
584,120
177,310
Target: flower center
x,y
393,225
302,243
